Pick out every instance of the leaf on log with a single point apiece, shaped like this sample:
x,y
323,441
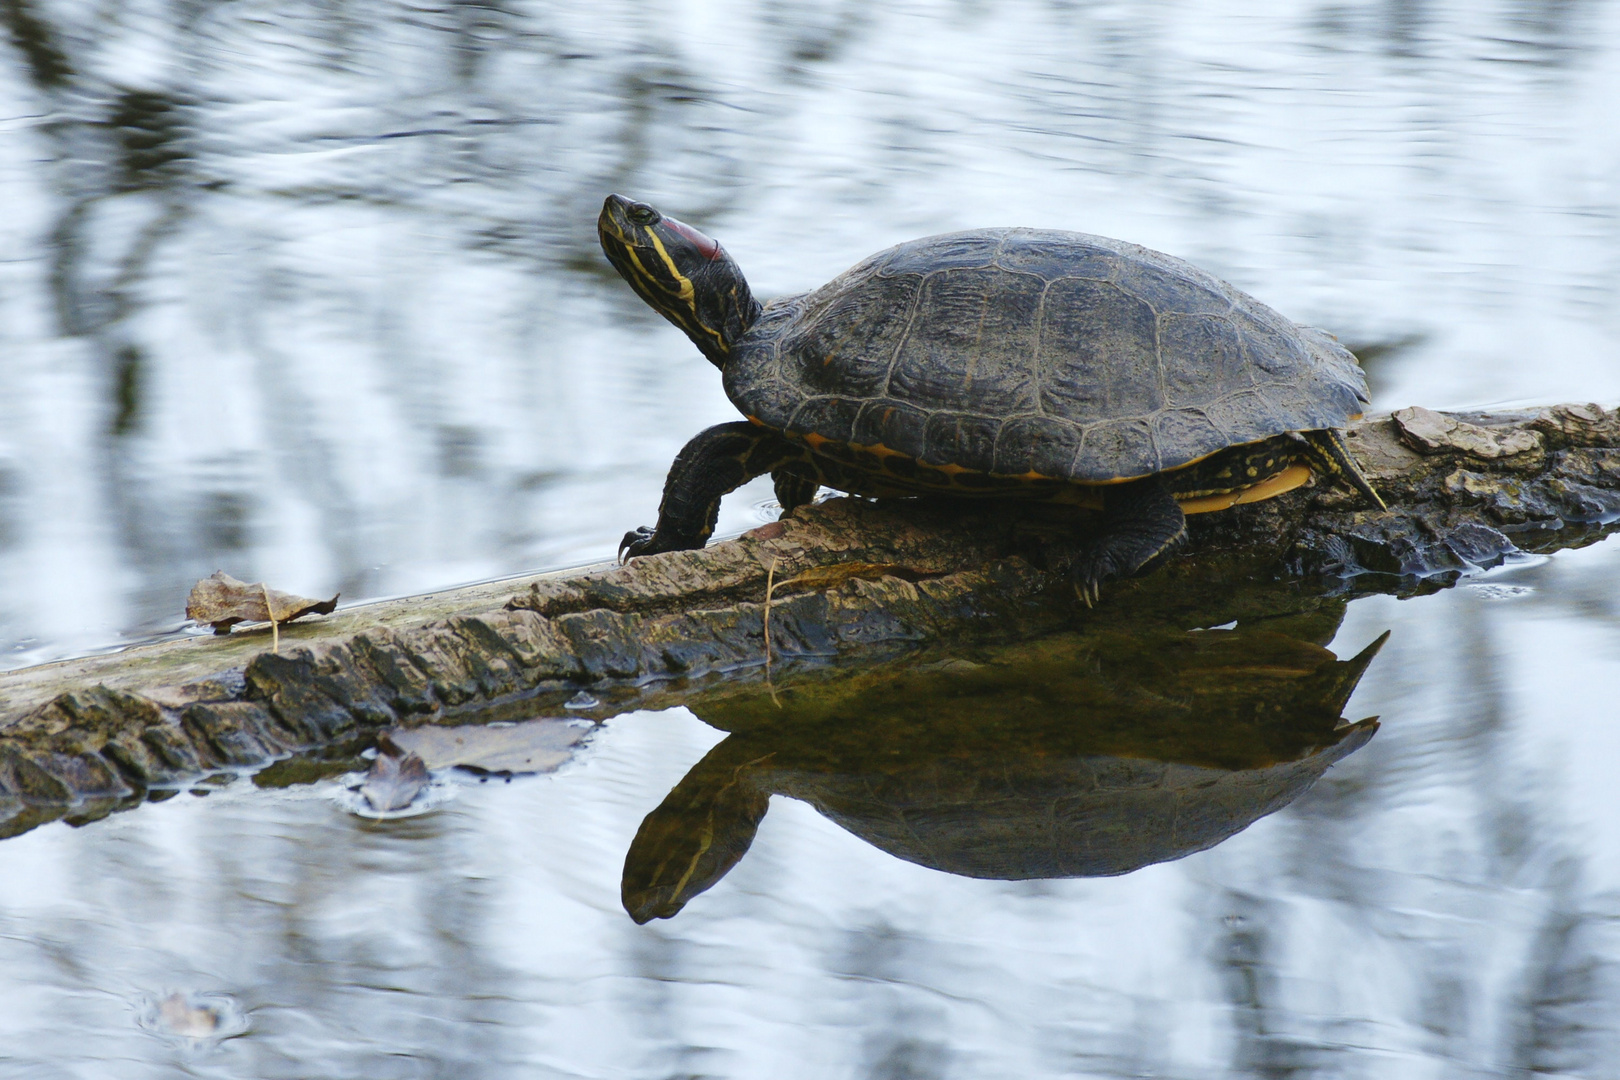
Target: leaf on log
x,y
221,600
533,746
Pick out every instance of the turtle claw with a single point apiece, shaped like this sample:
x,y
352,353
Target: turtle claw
x,y
1142,523
636,542
650,541
1093,569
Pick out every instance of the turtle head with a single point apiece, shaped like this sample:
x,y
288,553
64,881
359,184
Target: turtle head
x,y
687,277
698,833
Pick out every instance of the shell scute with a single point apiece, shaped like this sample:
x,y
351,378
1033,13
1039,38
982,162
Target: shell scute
x,y
1242,412
831,418
1099,353
970,438
1047,259
1117,449
895,425
1169,285
845,344
1274,350
975,349
1036,444
933,254
1214,358
1190,431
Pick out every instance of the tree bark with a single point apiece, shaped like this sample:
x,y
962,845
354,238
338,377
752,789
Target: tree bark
x,y
849,578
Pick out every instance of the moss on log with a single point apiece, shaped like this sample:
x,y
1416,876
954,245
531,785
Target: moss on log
x,y
852,579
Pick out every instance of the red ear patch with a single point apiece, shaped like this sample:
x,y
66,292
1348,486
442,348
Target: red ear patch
x,y
710,249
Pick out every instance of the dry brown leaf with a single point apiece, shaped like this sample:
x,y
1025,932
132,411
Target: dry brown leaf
x,y
831,577
221,600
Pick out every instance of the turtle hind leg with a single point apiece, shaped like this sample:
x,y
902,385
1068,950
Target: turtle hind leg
x,y
715,463
1141,522
1328,454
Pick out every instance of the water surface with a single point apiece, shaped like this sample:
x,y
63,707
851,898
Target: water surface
x,y
310,294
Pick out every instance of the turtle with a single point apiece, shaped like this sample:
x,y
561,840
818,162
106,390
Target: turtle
x,y
1064,757
1010,363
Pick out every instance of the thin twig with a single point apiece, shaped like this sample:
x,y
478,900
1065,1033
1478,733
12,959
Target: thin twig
x,y
269,609
770,589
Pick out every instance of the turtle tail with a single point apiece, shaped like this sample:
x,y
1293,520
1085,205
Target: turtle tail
x,y
1329,454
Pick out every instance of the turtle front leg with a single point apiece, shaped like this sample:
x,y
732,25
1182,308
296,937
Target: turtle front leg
x,y
1141,521
715,463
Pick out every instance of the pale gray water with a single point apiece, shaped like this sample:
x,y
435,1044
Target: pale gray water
x,y
311,294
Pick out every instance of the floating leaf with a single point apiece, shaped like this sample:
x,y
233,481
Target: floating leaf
x,y
396,778
221,600
181,1016
533,746
192,1019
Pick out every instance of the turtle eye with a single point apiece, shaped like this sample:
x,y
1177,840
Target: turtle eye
x,y
642,214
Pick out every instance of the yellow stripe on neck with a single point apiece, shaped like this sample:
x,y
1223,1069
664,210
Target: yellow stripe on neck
x,y
688,295
686,282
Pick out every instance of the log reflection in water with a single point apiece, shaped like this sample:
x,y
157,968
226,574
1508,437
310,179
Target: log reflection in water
x,y
1075,756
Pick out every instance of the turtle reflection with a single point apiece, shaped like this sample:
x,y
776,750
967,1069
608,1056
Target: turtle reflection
x,y
1068,757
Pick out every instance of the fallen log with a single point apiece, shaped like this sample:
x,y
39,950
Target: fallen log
x,y
843,579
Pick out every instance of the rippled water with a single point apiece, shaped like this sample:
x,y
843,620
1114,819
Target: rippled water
x,y
311,294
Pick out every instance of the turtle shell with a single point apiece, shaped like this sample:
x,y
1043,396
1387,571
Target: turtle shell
x,y
1075,755
1029,352
1013,819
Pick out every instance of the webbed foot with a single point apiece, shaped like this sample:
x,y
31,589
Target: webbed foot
x,y
1142,522
1100,564
1091,570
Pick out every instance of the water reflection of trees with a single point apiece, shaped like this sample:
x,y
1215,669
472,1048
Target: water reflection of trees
x,y
325,932
330,274
1443,838
1425,902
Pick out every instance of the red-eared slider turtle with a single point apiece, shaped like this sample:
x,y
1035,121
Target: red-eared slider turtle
x,y
1068,757
1003,363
